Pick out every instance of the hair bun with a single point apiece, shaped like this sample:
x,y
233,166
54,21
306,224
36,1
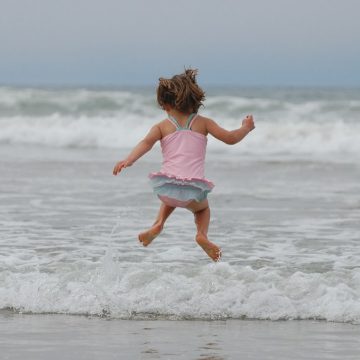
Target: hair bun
x,y
191,73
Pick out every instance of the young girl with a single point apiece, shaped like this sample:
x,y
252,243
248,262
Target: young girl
x,y
183,138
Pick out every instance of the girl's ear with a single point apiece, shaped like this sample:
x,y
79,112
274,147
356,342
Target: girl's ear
x,y
167,107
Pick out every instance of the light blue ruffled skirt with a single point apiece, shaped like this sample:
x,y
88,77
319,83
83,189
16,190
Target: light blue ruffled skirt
x,y
179,192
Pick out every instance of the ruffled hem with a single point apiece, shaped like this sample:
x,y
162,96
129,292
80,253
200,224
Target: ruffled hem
x,y
182,180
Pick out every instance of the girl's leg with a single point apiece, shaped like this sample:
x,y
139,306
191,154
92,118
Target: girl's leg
x,y
201,212
148,236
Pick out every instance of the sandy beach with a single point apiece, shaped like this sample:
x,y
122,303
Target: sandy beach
x,y
43,337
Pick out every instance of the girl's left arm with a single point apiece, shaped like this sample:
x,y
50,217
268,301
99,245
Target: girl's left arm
x,y
140,149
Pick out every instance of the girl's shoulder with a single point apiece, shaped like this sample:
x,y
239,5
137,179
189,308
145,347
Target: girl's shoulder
x,y
200,124
202,119
165,127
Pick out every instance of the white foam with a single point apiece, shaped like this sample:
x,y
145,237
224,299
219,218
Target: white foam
x,y
90,118
213,291
301,138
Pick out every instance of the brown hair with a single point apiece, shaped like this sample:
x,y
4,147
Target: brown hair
x,y
181,92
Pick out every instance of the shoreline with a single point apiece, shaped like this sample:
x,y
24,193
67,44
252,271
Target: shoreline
x,y
8,312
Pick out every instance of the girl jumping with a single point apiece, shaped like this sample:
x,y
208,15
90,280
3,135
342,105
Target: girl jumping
x,y
183,139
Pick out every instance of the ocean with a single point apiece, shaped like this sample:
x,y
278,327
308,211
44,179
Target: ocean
x,y
285,209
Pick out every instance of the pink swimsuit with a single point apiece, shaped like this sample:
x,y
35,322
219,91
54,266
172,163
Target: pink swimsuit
x,y
181,178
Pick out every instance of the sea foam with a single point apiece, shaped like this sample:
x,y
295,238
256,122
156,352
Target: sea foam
x,y
213,291
93,118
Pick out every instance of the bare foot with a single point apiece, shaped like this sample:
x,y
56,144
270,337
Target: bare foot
x,y
211,249
148,236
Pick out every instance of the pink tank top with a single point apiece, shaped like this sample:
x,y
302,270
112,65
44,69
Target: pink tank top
x,y
184,151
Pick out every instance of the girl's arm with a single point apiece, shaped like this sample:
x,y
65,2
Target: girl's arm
x,y
230,137
140,149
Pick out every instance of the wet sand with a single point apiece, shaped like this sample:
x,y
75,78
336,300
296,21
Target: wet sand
x,y
24,336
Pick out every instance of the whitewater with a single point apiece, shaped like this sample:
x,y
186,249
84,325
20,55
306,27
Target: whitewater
x,y
295,122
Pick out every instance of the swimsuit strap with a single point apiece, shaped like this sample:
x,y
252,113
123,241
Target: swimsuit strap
x,y
188,124
192,119
174,122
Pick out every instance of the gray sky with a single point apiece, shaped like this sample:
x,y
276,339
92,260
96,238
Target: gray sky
x,y
134,42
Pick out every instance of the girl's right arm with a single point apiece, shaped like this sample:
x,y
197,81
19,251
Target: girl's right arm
x,y
140,149
230,137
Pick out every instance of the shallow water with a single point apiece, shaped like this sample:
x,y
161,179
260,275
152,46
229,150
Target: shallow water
x,y
285,208
288,229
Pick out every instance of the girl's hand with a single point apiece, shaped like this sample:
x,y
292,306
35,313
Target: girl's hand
x,y
248,123
119,166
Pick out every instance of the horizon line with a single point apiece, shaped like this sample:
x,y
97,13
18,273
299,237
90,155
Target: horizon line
x,y
147,86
